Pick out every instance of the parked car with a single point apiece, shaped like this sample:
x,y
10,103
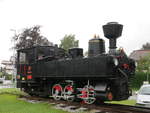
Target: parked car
x,y
143,95
1,80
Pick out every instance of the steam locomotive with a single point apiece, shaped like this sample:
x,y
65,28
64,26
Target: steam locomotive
x,y
50,71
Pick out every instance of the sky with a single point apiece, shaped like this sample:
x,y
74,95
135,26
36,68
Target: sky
x,y
84,18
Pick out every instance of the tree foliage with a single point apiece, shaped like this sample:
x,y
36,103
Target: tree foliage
x,y
146,46
4,74
29,37
142,72
69,41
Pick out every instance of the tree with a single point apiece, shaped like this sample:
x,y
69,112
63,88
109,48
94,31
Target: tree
x,y
29,37
146,46
69,42
142,72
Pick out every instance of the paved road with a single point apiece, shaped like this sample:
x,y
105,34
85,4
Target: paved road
x,y
133,97
6,86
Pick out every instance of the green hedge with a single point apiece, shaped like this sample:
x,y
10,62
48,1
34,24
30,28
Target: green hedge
x,y
138,79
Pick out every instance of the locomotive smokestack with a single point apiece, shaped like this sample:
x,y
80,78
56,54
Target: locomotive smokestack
x,y
112,31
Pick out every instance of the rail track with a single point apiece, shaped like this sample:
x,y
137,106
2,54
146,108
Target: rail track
x,y
94,108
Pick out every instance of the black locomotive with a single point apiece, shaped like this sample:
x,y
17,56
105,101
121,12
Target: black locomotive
x,y
50,71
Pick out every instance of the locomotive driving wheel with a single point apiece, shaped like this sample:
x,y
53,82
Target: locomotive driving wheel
x,y
57,91
88,94
68,93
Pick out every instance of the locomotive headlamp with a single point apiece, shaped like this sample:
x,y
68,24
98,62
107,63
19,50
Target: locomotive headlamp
x,y
23,78
115,60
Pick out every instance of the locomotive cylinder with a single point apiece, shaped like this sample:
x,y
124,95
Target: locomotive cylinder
x,y
112,31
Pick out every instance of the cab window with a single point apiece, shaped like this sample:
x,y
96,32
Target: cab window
x,y
26,56
23,58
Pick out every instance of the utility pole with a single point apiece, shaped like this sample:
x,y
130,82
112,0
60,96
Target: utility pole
x,y
14,59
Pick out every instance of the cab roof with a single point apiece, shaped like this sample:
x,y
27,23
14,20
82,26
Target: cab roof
x,y
26,49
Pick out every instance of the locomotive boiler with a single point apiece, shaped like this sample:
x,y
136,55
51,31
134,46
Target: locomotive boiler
x,y
50,71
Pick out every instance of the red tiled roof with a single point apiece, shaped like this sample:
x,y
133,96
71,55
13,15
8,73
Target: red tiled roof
x,y
138,54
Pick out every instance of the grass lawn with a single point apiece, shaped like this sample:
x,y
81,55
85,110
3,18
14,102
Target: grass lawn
x,y
10,104
124,102
13,91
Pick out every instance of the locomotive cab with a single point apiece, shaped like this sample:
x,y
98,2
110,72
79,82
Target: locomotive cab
x,y
34,54
30,55
26,58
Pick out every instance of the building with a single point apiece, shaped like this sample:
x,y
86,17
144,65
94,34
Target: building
x,y
138,54
8,66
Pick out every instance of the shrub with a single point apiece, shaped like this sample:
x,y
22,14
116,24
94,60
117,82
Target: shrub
x,y
13,91
138,79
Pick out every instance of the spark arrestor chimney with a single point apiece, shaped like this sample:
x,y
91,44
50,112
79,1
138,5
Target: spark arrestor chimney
x,y
112,31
